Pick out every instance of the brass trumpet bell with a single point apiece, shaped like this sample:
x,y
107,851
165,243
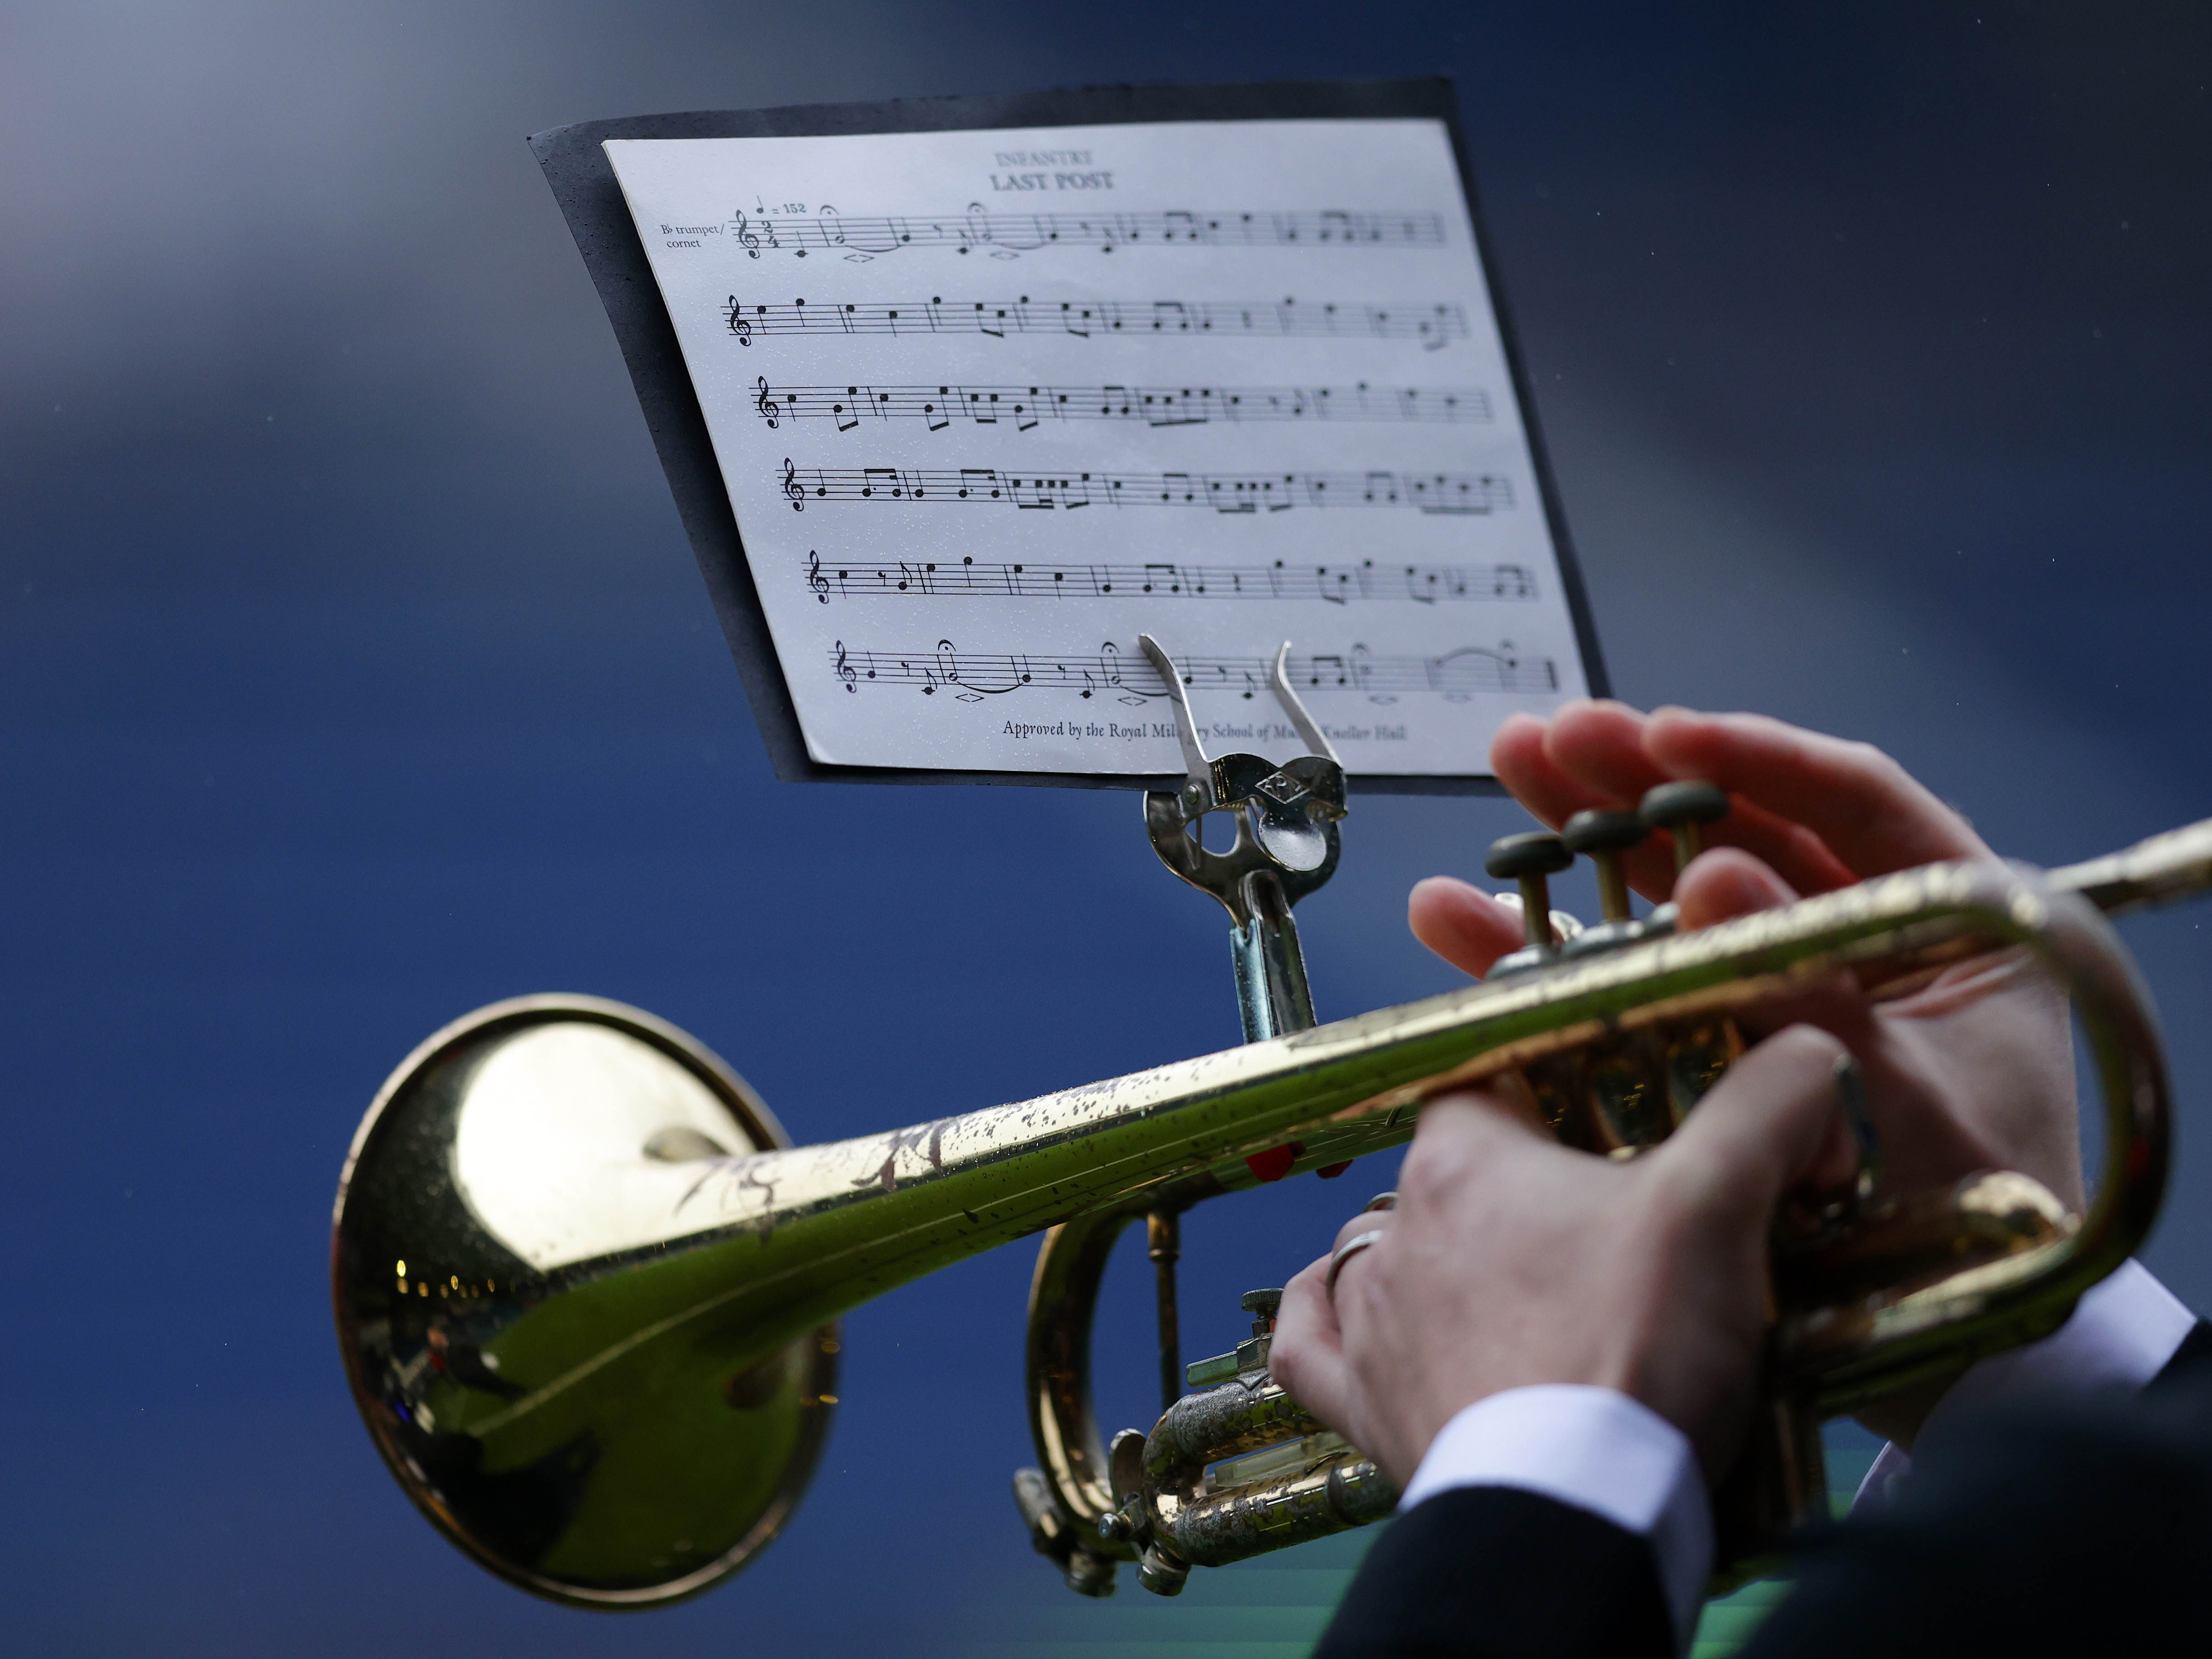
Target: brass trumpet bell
x,y
534,1363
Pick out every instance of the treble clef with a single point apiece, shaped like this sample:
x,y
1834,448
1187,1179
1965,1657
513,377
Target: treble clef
x,y
746,239
793,488
738,325
763,402
815,579
845,669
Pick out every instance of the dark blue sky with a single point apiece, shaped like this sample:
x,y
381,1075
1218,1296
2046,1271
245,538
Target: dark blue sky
x,y
353,671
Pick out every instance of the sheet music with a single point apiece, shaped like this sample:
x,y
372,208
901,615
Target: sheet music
x,y
990,404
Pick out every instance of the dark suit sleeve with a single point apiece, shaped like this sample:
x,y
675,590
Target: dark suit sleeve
x,y
1489,1573
2083,1529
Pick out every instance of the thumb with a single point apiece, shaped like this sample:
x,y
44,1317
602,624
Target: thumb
x,y
1462,924
1759,1129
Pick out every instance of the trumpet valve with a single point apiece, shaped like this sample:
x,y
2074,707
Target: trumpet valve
x,y
1263,1306
1530,861
1603,837
1161,1573
1682,809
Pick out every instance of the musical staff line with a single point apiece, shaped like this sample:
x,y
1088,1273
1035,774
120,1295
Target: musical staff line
x,y
1013,234
1448,493
1025,407
1330,584
1433,325
970,677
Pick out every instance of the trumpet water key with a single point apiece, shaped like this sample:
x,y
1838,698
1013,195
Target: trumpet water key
x,y
586,1291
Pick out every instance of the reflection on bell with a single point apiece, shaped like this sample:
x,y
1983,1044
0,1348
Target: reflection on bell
x,y
568,1433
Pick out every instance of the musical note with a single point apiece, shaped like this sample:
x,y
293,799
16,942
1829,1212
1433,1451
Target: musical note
x,y
1328,669
977,228
1338,585
1435,325
1110,659
1155,406
1457,676
1337,422
1462,675
1363,676
1229,493
1011,234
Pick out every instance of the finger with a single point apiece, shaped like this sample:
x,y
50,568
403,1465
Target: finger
x,y
1725,883
1912,1082
1860,803
1598,743
1931,1131
1468,1139
1502,1104
1368,1221
1464,925
1306,1355
1603,747
1520,757
1925,1143
1759,1130
1791,849
1595,755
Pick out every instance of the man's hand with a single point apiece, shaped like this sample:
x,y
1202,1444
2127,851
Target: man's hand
x,y
1510,1260
1975,1071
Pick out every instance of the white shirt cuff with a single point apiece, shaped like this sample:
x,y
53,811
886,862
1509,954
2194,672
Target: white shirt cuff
x,y
1596,1449
2123,1330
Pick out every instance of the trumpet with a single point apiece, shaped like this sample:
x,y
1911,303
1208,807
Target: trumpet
x,y
586,1291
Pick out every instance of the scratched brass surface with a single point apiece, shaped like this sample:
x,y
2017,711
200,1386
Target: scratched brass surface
x,y
603,1371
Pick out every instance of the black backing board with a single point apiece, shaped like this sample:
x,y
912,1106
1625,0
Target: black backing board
x,y
585,186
